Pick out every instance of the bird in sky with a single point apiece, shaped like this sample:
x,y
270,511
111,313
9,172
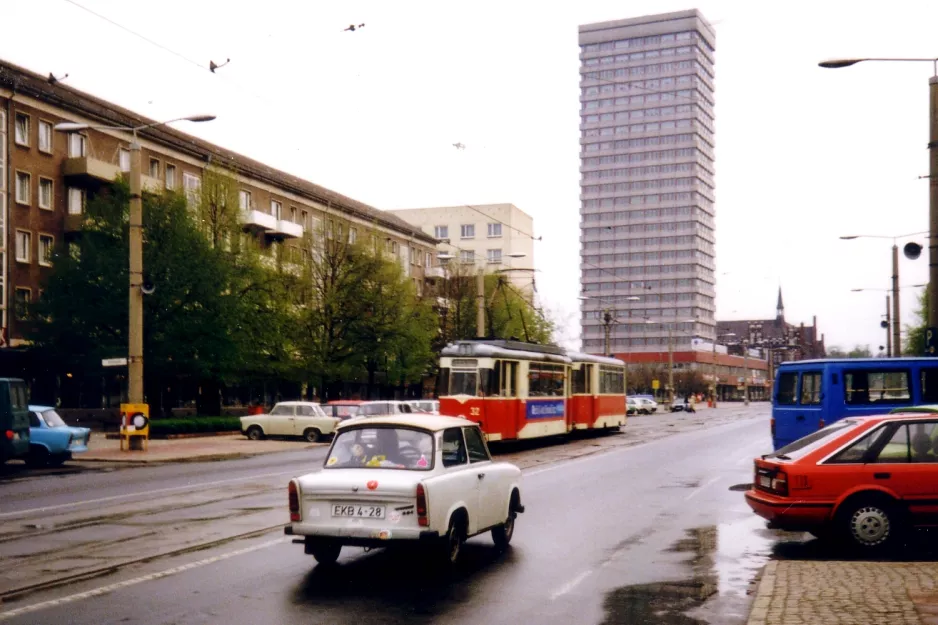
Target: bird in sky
x,y
459,146
353,27
212,66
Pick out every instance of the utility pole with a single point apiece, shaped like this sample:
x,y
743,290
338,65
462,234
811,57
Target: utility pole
x,y
896,340
670,365
746,373
608,320
889,352
932,212
135,304
480,304
713,370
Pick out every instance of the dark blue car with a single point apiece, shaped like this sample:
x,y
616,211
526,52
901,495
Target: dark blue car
x,y
51,440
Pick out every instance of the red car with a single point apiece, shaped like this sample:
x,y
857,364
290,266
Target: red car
x,y
863,480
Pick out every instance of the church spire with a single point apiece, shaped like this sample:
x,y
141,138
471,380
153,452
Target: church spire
x,y
780,307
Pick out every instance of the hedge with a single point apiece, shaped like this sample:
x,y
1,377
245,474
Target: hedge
x,y
194,425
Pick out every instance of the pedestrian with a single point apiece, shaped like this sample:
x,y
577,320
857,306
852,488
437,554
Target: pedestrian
x,y
692,405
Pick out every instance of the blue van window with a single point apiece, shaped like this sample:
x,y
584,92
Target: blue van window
x,y
862,387
787,388
811,388
929,385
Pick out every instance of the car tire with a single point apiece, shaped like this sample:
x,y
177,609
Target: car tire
x,y
502,534
37,457
453,542
326,553
255,433
312,435
871,524
57,461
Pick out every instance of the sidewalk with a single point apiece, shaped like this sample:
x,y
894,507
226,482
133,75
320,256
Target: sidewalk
x,y
199,449
800,592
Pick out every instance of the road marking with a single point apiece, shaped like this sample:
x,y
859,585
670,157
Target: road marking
x,y
137,580
573,583
145,493
698,490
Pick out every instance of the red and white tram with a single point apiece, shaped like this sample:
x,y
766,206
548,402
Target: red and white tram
x,y
522,390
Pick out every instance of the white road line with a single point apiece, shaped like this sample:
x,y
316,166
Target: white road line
x,y
142,493
573,583
698,490
137,580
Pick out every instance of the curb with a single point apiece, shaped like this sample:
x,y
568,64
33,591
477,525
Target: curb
x,y
759,612
17,593
177,459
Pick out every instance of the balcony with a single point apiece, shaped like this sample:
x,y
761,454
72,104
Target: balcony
x,y
434,272
152,185
73,222
257,220
90,169
287,230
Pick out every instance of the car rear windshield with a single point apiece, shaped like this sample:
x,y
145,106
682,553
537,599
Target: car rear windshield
x,y
381,448
809,443
52,419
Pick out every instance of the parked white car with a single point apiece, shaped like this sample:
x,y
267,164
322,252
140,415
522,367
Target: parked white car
x,y
420,480
290,418
429,406
648,405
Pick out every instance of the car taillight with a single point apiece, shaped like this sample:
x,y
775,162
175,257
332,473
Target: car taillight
x,y
294,498
780,483
772,426
422,519
10,435
821,424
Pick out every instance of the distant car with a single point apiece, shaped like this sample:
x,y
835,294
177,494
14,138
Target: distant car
x,y
408,480
342,409
290,418
51,440
862,480
429,406
384,408
632,407
649,405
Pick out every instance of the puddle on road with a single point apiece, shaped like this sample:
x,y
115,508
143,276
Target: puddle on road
x,y
723,561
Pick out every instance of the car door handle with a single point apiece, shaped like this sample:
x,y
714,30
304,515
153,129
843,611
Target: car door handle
x,y
882,476
482,476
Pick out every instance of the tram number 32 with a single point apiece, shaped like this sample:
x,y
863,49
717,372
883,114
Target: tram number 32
x,y
475,412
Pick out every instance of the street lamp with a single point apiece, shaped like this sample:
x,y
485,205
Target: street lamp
x,y
931,331
887,324
609,318
135,303
716,337
909,252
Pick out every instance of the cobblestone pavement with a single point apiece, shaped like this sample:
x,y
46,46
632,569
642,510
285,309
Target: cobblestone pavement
x,y
847,593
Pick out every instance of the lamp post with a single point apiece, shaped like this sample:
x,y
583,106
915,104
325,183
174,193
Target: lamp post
x,y
931,331
745,372
135,300
609,318
895,279
713,391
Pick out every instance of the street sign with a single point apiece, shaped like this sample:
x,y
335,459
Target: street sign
x,y
113,362
655,385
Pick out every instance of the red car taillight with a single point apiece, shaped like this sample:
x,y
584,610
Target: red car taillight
x,y
294,499
10,435
780,483
821,424
422,519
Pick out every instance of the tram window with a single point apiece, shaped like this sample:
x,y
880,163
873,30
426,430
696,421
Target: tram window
x,y
462,382
488,382
545,380
579,380
611,380
506,376
442,382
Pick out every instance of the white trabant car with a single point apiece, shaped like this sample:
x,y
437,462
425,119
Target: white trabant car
x,y
290,418
421,480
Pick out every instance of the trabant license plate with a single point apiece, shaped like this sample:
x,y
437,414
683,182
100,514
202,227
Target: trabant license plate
x,y
765,481
358,511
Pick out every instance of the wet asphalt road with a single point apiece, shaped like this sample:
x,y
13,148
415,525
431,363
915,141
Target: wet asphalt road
x,y
644,534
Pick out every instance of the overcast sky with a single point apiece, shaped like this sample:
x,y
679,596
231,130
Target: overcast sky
x,y
804,155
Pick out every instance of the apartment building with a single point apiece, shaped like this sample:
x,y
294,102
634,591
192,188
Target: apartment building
x,y
46,177
647,187
492,237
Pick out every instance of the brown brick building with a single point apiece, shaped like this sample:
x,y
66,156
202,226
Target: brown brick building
x,y
46,177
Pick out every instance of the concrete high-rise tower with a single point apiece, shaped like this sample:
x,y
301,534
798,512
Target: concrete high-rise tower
x,y
646,187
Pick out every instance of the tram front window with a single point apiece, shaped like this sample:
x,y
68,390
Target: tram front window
x,y
463,382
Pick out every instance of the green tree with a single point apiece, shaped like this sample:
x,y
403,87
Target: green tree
x,y
858,351
915,334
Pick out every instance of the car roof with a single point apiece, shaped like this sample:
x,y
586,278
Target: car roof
x,y
39,408
296,403
908,414
345,402
929,409
428,422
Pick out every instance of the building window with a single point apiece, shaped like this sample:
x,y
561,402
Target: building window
x,y
45,193
21,302
76,145
276,209
191,185
46,243
293,215
494,256
123,159
428,260
23,184
495,230
352,236
244,200
23,242
76,201
467,256
45,137
170,176
441,232
21,131
467,231
154,168
305,216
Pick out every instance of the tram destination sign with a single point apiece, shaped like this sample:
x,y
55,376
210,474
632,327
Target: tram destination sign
x,y
550,409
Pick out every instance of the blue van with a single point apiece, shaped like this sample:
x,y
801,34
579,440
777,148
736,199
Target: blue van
x,y
14,419
810,394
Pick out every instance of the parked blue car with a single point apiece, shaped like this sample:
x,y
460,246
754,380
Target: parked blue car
x,y
51,441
